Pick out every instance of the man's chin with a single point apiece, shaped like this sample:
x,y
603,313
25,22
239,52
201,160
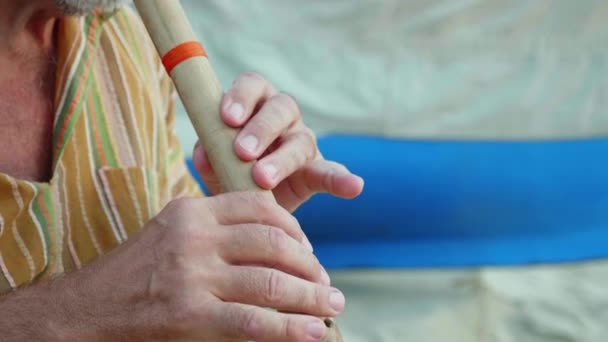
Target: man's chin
x,y
82,7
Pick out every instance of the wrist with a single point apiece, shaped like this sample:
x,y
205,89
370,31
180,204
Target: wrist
x,y
89,311
81,312
35,314
65,319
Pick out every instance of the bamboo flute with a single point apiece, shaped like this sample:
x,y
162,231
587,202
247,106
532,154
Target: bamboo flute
x,y
201,94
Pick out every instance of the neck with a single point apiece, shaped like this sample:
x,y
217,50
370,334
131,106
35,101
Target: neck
x,y
27,49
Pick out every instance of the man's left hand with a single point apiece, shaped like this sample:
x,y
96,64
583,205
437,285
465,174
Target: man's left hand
x,y
273,134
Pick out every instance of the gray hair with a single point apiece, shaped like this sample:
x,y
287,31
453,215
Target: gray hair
x,y
81,7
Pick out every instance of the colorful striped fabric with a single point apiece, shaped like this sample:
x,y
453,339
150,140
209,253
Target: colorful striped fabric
x,y
116,162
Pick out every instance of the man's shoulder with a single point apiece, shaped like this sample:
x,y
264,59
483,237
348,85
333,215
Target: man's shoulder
x,y
124,48
124,19
123,32
126,67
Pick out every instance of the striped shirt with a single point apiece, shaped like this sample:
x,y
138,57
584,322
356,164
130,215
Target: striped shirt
x,y
116,159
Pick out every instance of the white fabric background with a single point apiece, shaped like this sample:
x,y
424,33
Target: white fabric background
x,y
433,68
482,69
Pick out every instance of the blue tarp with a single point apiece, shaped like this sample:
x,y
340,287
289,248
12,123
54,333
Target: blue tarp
x,y
462,203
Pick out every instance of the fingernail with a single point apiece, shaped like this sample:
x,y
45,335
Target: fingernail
x,y
325,280
235,111
271,172
337,300
316,330
249,143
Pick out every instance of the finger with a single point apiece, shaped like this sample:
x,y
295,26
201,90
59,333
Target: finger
x,y
272,247
254,207
323,176
201,161
246,322
274,289
295,152
205,169
240,101
274,118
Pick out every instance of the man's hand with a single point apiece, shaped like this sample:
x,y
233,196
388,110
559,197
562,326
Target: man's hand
x,y
273,133
201,270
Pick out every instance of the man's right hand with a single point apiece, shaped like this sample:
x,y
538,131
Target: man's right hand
x,y
202,270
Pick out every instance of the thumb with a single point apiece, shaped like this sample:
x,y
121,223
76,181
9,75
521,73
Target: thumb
x,y
205,170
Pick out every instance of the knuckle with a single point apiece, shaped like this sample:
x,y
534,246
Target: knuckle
x,y
172,209
309,137
175,214
310,142
264,124
160,222
185,232
310,134
217,207
253,75
263,204
291,329
317,268
249,322
275,287
286,103
293,228
318,297
277,240
337,166
302,150
178,208
313,264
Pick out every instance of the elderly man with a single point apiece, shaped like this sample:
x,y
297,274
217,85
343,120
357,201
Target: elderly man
x,y
99,216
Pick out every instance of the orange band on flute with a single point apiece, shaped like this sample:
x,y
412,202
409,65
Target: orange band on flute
x,y
181,53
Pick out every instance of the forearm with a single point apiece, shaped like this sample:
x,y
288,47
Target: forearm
x,y
35,313
66,308
79,306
